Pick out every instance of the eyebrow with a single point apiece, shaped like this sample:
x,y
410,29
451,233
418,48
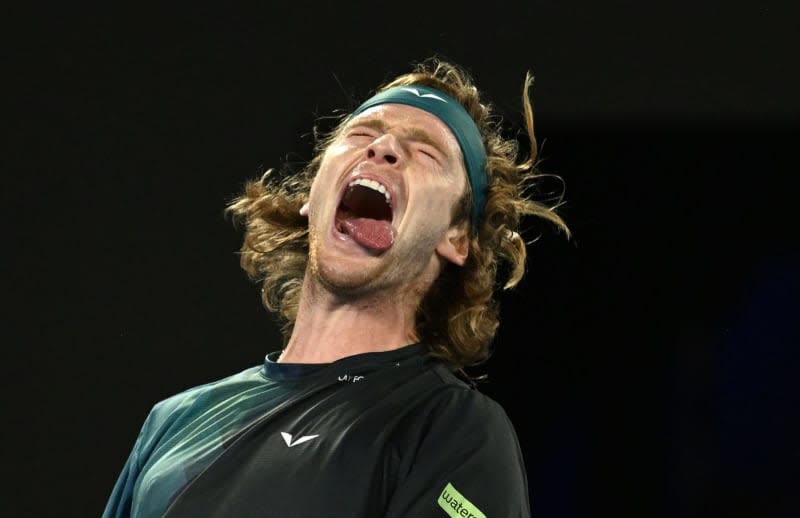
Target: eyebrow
x,y
415,134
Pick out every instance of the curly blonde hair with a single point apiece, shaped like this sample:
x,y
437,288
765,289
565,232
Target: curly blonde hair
x,y
458,317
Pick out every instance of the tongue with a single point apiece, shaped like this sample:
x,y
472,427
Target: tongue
x,y
370,233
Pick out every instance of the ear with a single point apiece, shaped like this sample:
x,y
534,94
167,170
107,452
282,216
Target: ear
x,y
454,245
304,209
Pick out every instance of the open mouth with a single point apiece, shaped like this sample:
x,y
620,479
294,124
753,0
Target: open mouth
x,y
365,214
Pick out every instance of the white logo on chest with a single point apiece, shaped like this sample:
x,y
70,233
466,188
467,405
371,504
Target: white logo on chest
x,y
288,438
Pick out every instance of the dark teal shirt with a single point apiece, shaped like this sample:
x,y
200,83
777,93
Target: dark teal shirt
x,y
338,439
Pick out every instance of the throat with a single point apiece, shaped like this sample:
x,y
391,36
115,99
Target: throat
x,y
347,328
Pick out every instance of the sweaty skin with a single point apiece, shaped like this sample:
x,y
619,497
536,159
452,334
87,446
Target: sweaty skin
x,y
355,299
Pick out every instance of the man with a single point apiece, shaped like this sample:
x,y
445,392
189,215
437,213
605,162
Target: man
x,y
381,257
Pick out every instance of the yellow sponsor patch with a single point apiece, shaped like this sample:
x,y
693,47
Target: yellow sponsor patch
x,y
456,506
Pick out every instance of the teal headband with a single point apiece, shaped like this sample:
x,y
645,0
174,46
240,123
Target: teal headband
x,y
460,123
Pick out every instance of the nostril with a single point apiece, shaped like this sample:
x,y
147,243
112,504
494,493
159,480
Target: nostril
x,y
370,153
390,158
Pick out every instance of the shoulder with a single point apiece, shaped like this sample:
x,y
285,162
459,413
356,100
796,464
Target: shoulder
x,y
167,411
466,446
470,411
456,393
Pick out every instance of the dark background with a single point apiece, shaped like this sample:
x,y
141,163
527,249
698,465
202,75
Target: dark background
x,y
650,365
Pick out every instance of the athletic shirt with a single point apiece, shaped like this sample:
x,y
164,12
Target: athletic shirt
x,y
386,434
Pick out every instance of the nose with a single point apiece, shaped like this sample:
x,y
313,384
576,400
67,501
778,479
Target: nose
x,y
385,149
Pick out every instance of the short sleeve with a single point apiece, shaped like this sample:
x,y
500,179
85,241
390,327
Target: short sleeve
x,y
119,504
468,463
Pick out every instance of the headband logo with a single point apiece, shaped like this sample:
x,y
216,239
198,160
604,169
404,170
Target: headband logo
x,y
416,92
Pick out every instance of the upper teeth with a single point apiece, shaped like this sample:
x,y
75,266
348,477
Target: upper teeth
x,y
371,184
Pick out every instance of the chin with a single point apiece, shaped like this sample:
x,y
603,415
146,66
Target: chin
x,y
348,277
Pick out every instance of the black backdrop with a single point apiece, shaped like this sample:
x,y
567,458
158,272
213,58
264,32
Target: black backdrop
x,y
650,365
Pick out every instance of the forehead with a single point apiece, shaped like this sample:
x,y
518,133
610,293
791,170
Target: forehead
x,y
410,121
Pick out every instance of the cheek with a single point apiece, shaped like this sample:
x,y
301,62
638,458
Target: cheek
x,y
323,181
435,212
335,152
441,199
331,166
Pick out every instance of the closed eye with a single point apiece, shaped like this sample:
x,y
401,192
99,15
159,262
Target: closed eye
x,y
429,154
361,131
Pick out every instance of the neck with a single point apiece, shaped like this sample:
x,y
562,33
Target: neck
x,y
329,327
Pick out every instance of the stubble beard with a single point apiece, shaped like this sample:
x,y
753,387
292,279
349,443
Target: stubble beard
x,y
383,282
343,281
